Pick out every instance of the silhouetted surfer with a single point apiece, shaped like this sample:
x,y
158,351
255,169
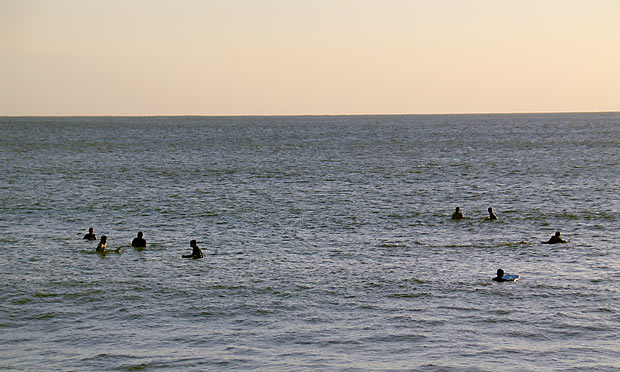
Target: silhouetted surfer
x,y
139,242
557,238
492,215
500,276
90,235
503,277
196,252
457,215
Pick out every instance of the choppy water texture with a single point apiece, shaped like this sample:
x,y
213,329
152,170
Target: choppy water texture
x,y
328,243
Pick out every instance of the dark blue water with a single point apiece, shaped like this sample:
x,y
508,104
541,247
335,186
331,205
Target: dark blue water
x,y
328,243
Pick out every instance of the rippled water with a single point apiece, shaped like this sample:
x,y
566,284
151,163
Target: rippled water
x,y
328,243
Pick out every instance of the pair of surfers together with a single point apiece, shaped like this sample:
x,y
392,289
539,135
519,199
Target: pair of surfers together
x,y
458,214
138,242
102,247
503,277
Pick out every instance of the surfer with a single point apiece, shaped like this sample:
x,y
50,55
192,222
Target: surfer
x,y
90,235
492,215
457,215
503,277
103,244
139,242
557,238
500,276
102,247
196,252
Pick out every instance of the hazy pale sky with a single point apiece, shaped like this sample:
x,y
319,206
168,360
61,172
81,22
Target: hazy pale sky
x,y
212,57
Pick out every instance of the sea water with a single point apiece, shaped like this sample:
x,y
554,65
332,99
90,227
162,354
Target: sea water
x,y
328,243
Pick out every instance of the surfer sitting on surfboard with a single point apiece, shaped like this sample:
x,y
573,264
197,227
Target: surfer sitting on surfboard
x,y
103,245
139,242
557,238
457,215
196,252
90,235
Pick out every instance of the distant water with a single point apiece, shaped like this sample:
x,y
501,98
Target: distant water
x,y
328,243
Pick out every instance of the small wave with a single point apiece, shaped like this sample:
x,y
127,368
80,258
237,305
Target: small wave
x,y
407,337
417,281
392,245
409,295
46,316
140,367
106,356
373,285
606,310
43,295
21,301
516,244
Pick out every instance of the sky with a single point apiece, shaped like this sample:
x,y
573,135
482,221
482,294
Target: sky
x,y
289,57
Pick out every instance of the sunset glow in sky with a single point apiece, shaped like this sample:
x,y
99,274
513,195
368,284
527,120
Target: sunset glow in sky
x,y
212,57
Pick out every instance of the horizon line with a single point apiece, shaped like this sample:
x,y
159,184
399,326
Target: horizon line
x,y
308,114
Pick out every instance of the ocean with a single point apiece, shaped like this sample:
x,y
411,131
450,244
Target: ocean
x,y
328,243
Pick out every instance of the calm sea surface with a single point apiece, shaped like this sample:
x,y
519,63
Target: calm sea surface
x,y
328,243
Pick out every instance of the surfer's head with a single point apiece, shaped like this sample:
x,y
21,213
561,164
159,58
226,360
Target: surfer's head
x,y
500,273
104,238
90,230
140,234
557,233
192,243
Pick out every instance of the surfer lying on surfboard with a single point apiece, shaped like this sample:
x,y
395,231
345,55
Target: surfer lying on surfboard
x,y
557,238
501,277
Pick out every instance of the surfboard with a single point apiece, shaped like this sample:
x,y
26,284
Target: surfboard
x,y
511,278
